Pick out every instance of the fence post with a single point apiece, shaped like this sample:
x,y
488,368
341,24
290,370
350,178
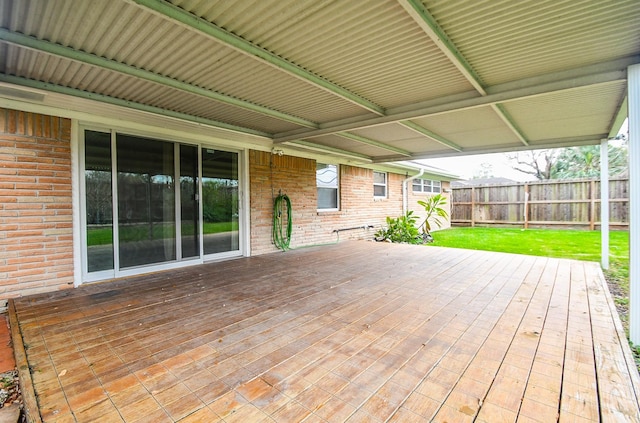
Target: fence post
x,y
473,206
592,205
526,206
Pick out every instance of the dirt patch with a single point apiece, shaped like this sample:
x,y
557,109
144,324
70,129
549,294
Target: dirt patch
x,y
10,389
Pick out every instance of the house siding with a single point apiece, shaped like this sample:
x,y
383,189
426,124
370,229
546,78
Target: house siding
x,y
36,246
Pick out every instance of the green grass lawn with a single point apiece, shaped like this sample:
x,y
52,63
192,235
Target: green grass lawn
x,y
102,236
580,245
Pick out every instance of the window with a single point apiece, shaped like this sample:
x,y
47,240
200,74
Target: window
x,y
327,184
379,185
427,185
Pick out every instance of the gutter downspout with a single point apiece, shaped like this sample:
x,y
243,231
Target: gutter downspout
x,y
405,192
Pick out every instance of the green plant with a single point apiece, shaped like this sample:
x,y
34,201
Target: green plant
x,y
434,212
401,229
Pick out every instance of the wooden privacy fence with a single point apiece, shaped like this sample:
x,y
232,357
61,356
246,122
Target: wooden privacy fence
x,y
557,203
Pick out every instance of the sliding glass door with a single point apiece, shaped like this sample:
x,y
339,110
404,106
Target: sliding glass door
x,y
189,210
142,200
98,202
146,201
220,201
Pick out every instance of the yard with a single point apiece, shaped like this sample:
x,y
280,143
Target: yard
x,y
570,244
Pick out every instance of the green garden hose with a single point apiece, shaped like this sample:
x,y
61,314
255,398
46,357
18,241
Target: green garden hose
x,y
282,207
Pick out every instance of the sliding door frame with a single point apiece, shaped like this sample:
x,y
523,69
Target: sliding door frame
x,y
116,272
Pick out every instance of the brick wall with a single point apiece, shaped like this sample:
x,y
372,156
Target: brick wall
x,y
36,251
296,177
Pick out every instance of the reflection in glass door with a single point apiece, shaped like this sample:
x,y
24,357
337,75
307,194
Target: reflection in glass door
x,y
189,212
146,202
98,201
220,201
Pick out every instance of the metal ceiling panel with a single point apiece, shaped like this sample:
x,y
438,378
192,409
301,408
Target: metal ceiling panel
x,y
573,113
399,136
470,129
341,41
386,133
133,36
292,67
335,141
506,41
43,67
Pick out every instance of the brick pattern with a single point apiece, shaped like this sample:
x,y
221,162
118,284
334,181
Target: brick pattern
x,y
36,251
272,174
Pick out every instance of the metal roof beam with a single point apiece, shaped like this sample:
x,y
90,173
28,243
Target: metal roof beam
x,y
203,26
29,42
374,143
623,111
430,26
332,150
15,80
612,72
430,134
592,139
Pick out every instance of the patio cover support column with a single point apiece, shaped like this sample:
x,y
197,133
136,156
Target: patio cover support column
x,y
633,77
604,203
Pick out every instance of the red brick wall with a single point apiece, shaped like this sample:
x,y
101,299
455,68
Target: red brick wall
x,y
36,249
271,174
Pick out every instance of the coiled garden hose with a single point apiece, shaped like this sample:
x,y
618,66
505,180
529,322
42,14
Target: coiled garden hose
x,y
282,209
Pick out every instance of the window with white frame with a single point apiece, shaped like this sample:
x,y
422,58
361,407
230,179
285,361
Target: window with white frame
x,y
427,185
379,184
327,184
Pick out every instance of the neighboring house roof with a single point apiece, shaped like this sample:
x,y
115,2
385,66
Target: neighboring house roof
x,y
397,80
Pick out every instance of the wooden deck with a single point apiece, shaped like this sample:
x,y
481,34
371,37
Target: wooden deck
x,y
357,332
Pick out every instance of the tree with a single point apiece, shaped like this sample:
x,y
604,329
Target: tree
x,y
569,163
584,162
485,171
539,163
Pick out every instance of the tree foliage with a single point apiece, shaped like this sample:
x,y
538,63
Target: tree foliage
x,y
434,211
570,163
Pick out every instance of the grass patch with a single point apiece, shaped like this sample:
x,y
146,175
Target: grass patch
x,y
579,245
104,235
568,244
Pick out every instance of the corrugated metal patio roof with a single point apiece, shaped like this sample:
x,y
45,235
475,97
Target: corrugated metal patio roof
x,y
377,80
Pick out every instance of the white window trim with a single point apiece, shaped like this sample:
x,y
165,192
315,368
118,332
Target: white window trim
x,y
427,183
323,210
377,184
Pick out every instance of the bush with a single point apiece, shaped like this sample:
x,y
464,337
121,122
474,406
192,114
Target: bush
x,y
401,229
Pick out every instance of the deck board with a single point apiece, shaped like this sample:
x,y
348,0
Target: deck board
x,y
353,332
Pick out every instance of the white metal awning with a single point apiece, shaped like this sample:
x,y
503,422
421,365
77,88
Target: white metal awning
x,y
376,80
